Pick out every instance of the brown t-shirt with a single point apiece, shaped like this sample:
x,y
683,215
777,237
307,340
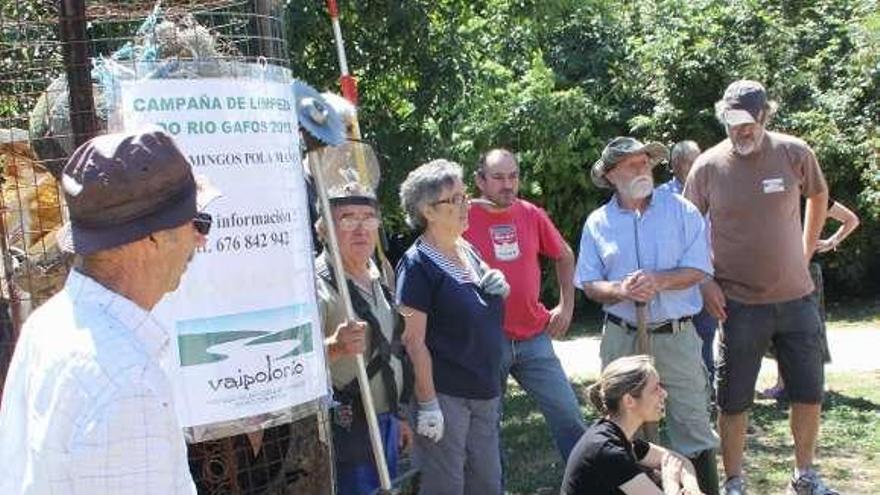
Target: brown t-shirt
x,y
754,207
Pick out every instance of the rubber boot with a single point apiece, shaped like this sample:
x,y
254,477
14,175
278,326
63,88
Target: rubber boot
x,y
707,471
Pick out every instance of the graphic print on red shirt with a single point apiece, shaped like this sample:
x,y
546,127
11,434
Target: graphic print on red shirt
x,y
513,240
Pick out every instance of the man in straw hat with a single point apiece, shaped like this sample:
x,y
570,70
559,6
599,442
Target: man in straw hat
x,y
87,407
650,247
751,185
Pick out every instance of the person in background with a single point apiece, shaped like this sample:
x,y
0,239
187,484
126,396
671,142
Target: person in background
x,y
848,222
513,235
87,406
609,459
355,211
453,305
648,247
750,185
681,158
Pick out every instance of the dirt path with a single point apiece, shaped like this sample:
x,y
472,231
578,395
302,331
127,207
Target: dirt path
x,y
854,347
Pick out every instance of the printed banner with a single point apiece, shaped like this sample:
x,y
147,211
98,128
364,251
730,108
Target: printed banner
x,y
245,317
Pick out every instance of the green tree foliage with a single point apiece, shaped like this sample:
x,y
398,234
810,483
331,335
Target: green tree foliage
x,y
553,80
819,61
28,56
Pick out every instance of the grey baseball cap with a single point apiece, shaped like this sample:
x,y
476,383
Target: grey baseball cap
x,y
619,148
744,100
122,187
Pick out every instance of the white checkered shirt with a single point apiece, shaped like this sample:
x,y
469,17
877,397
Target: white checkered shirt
x,y
86,408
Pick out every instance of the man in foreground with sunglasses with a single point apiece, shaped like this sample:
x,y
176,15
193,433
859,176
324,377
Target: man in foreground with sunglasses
x,y
87,407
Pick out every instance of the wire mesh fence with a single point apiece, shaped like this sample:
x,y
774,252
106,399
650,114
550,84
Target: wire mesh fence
x,y
60,67
30,59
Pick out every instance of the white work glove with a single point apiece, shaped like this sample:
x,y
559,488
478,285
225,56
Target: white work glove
x,y
494,283
429,422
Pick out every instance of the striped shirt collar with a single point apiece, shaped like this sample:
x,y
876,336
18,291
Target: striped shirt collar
x,y
459,274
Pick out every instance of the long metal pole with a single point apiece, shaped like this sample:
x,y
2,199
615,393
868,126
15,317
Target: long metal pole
x,y
348,83
342,284
349,90
266,40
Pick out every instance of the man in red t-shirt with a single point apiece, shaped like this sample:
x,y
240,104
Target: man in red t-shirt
x,y
512,235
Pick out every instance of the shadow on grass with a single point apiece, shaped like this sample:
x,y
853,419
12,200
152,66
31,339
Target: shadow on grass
x,y
835,404
771,415
532,465
836,400
848,446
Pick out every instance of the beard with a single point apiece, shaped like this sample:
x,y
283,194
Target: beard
x,y
745,147
503,198
640,187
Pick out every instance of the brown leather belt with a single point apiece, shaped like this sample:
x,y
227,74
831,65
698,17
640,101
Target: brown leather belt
x,y
665,327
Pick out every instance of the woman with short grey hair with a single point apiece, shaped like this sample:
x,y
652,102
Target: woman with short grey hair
x,y
424,185
452,304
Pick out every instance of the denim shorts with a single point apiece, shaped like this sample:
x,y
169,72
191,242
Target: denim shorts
x,y
795,330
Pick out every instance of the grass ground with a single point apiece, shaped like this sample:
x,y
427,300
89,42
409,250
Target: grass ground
x,y
849,455
854,313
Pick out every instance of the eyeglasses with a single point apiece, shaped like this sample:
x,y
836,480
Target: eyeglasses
x,y
456,199
202,223
347,224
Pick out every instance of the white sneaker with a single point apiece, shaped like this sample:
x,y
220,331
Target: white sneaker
x,y
735,485
809,484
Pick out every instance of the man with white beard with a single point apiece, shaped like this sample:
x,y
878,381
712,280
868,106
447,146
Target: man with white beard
x,y
750,185
650,247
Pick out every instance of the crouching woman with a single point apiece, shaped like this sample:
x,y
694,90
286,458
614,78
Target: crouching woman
x,y
608,459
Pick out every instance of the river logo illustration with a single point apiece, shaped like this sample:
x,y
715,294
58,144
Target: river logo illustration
x,y
204,348
281,333
245,350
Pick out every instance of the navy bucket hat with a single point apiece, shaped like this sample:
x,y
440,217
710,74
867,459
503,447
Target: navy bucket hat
x,y
122,187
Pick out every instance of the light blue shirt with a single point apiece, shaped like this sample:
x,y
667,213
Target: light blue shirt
x,y
87,406
672,185
670,234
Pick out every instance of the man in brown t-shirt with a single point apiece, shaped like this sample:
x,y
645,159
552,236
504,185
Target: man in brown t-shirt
x,y
751,185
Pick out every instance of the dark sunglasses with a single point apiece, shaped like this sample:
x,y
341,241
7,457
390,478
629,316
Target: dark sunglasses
x,y
202,223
